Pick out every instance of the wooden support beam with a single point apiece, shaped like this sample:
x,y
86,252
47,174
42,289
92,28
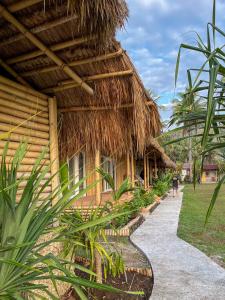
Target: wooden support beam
x,y
38,29
145,172
54,147
132,170
97,178
148,177
98,108
150,172
22,4
74,63
67,84
52,48
13,73
128,165
155,166
35,41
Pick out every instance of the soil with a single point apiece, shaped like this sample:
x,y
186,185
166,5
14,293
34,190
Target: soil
x,y
131,281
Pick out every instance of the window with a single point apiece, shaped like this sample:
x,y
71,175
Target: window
x,y
109,167
77,170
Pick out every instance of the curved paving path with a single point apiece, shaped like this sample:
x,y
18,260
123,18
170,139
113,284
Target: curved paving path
x,y
180,270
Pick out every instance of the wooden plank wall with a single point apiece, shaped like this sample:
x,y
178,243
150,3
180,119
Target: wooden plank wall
x,y
24,116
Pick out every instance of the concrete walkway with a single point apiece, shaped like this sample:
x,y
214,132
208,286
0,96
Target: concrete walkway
x,y
180,270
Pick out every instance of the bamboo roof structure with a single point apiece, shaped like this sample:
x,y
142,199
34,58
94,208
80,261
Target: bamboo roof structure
x,y
67,49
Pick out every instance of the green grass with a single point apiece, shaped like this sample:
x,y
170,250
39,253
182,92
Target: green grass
x,y
211,238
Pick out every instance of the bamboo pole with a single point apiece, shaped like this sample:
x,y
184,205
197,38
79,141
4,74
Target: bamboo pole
x,y
35,41
25,89
21,94
101,76
145,172
24,105
13,145
42,116
54,147
155,165
29,154
69,85
12,111
38,29
132,170
75,63
26,161
56,47
147,158
24,131
22,4
150,172
98,108
9,119
128,165
13,73
18,138
97,177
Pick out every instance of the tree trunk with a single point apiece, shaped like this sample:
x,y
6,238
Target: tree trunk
x,y
98,267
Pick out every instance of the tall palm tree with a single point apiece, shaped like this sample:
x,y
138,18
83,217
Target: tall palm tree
x,y
183,105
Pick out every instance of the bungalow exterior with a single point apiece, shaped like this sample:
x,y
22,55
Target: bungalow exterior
x,y
67,85
209,174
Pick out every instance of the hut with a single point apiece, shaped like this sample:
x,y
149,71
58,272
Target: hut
x,y
67,83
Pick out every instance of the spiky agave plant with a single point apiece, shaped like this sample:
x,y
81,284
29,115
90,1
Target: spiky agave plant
x,y
24,268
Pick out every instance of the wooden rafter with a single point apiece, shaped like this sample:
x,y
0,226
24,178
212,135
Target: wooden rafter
x,y
35,41
13,73
55,47
68,84
98,108
22,4
38,29
75,63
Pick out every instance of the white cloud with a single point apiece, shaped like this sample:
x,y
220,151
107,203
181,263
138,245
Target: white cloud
x,y
164,6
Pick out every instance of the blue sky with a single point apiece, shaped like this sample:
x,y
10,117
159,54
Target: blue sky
x,y
152,37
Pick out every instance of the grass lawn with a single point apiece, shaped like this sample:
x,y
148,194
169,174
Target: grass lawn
x,y
209,239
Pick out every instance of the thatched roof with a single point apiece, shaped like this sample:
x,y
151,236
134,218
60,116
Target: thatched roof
x,y
163,159
91,74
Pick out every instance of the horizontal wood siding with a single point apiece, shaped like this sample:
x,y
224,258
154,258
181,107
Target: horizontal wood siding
x,y
24,118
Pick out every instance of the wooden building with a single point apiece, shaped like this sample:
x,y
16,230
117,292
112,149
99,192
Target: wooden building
x,y
67,83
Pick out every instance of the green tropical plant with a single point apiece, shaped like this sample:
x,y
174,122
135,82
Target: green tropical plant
x,y
208,81
92,241
29,227
162,184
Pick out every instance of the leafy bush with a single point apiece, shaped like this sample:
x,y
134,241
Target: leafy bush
x,y
162,185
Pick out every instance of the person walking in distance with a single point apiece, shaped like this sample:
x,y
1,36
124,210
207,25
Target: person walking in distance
x,y
175,185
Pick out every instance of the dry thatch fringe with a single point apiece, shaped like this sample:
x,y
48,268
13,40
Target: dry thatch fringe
x,y
109,132
101,17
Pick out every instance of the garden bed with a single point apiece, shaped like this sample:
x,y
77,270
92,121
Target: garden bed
x,y
133,280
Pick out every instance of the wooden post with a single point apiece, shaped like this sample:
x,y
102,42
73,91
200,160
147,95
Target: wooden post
x,y
150,173
53,147
132,170
145,172
128,165
155,165
97,178
147,161
98,266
